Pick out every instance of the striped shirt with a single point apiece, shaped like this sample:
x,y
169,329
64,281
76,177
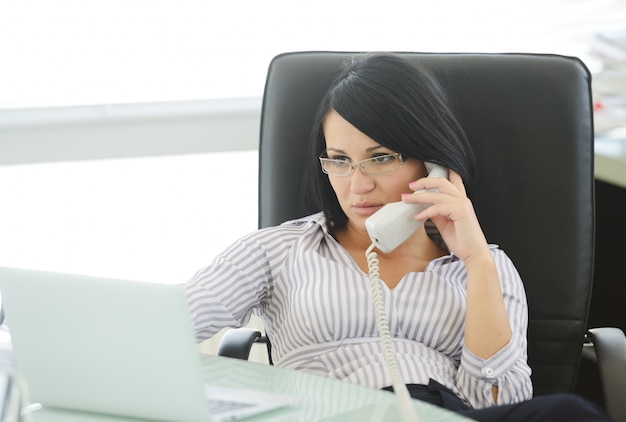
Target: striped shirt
x,y
315,303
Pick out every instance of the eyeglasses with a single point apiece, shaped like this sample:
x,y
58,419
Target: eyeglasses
x,y
372,166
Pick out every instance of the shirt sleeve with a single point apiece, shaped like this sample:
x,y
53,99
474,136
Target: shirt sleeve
x,y
238,282
508,368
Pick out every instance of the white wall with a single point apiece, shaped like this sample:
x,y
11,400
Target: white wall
x,y
127,130
155,189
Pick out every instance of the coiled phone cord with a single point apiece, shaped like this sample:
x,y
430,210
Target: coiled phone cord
x,y
389,354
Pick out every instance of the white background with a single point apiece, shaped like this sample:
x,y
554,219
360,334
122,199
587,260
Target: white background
x,y
74,52
161,218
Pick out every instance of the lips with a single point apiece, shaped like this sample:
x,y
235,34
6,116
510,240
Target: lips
x,y
366,208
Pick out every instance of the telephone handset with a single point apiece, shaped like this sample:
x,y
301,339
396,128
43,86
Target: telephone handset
x,y
388,228
394,223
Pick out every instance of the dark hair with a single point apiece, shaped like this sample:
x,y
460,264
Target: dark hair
x,y
400,106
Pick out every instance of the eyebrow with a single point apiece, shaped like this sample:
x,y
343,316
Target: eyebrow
x,y
371,149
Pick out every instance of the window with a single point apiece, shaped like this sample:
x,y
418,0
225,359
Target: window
x,y
75,52
150,218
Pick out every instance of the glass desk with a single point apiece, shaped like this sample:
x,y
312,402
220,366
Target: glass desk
x,y
320,398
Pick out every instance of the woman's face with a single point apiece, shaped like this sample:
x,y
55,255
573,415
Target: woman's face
x,y
361,195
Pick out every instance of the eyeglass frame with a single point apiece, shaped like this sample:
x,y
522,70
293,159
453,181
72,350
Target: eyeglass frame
x,y
397,156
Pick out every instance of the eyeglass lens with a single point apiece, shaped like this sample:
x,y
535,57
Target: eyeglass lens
x,y
375,165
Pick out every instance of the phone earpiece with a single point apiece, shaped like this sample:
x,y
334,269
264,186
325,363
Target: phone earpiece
x,y
394,223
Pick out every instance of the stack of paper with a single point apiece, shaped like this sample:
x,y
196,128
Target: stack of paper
x,y
609,86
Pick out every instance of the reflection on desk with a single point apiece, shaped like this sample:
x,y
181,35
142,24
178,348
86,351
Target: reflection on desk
x,y
321,399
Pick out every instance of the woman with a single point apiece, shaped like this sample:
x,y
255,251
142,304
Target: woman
x,y
457,307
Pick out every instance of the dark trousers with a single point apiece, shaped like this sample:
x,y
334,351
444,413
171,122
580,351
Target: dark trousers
x,y
549,408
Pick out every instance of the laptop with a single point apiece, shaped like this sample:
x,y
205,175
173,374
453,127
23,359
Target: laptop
x,y
114,347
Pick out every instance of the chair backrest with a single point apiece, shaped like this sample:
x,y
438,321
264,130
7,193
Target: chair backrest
x,y
529,119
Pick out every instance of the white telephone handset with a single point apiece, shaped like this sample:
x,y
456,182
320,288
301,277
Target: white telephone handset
x,y
388,228
394,223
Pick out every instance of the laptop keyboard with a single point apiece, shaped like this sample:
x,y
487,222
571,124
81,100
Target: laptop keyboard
x,y
219,406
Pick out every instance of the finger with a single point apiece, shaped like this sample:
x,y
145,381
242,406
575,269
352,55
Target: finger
x,y
434,213
457,181
427,183
423,197
433,190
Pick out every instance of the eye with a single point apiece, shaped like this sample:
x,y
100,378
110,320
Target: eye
x,y
338,164
383,158
339,158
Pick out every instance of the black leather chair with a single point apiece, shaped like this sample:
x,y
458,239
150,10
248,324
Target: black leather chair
x,y
529,118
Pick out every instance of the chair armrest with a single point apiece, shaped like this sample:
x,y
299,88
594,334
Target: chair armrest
x,y
609,345
236,343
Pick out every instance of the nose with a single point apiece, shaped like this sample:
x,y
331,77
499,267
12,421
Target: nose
x,y
360,183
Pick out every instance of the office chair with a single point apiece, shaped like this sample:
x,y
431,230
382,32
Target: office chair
x,y
529,119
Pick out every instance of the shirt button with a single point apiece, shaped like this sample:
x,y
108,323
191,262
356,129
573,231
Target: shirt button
x,y
488,372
